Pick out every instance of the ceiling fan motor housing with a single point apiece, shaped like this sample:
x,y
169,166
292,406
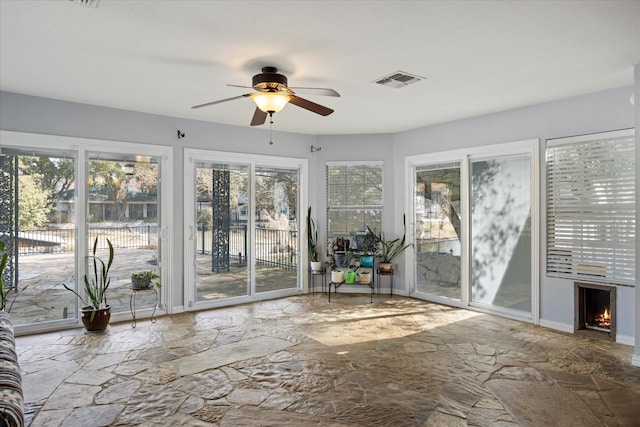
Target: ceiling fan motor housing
x,y
269,80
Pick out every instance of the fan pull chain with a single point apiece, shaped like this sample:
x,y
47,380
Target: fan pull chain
x,y
270,128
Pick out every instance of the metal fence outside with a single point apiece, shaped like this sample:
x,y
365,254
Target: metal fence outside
x,y
63,240
277,248
273,247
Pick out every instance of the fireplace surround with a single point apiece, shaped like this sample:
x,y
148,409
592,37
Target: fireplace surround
x,y
595,310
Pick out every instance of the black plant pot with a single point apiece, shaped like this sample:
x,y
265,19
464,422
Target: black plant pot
x,y
340,259
100,320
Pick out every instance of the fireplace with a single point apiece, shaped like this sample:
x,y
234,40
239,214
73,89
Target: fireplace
x,y
595,310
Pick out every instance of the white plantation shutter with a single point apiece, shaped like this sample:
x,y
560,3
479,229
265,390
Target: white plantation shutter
x,y
591,207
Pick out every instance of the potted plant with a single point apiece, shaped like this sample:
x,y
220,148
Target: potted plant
x,y
312,243
392,248
365,277
337,276
369,243
142,280
340,248
96,312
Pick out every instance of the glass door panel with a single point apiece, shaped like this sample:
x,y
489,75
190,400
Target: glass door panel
x,y
122,206
37,225
222,237
501,232
438,231
276,230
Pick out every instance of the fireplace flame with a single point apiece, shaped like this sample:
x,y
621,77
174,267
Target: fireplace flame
x,y
603,319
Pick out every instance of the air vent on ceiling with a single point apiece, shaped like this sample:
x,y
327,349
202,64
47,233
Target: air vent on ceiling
x,y
398,79
90,3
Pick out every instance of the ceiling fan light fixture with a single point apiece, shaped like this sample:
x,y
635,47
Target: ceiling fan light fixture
x,y
270,102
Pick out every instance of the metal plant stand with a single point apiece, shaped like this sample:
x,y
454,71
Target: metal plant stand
x,y
388,273
132,303
312,278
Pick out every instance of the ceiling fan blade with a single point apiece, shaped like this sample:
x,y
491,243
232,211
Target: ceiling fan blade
x,y
220,101
322,91
259,117
246,87
311,106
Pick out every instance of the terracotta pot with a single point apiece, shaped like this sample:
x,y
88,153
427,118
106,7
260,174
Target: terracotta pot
x,y
385,267
365,277
100,320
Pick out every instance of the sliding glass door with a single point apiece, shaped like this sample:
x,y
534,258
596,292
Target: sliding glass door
x,y
56,201
122,207
222,232
38,227
241,227
276,230
501,250
475,228
438,230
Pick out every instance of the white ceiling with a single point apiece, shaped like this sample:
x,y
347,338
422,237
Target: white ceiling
x,y
163,57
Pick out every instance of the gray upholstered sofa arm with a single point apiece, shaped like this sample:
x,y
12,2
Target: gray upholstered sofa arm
x,y
11,399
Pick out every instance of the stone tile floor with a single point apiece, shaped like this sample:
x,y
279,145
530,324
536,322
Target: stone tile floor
x,y
302,361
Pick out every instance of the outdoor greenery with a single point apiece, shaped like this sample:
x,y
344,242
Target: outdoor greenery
x,y
45,181
271,186
34,203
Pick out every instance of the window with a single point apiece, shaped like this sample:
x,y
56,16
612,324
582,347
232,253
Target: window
x,y
354,198
591,207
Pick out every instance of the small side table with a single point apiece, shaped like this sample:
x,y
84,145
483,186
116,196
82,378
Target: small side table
x,y
312,278
132,303
388,273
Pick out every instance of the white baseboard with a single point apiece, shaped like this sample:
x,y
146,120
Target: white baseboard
x,y
625,339
559,326
566,327
635,360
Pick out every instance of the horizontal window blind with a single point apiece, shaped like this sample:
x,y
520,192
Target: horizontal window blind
x,y
591,208
354,197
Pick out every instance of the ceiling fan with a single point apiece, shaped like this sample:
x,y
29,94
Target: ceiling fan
x,y
272,95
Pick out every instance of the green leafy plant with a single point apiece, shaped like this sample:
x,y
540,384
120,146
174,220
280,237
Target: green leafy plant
x,y
369,242
312,237
145,277
97,284
393,248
